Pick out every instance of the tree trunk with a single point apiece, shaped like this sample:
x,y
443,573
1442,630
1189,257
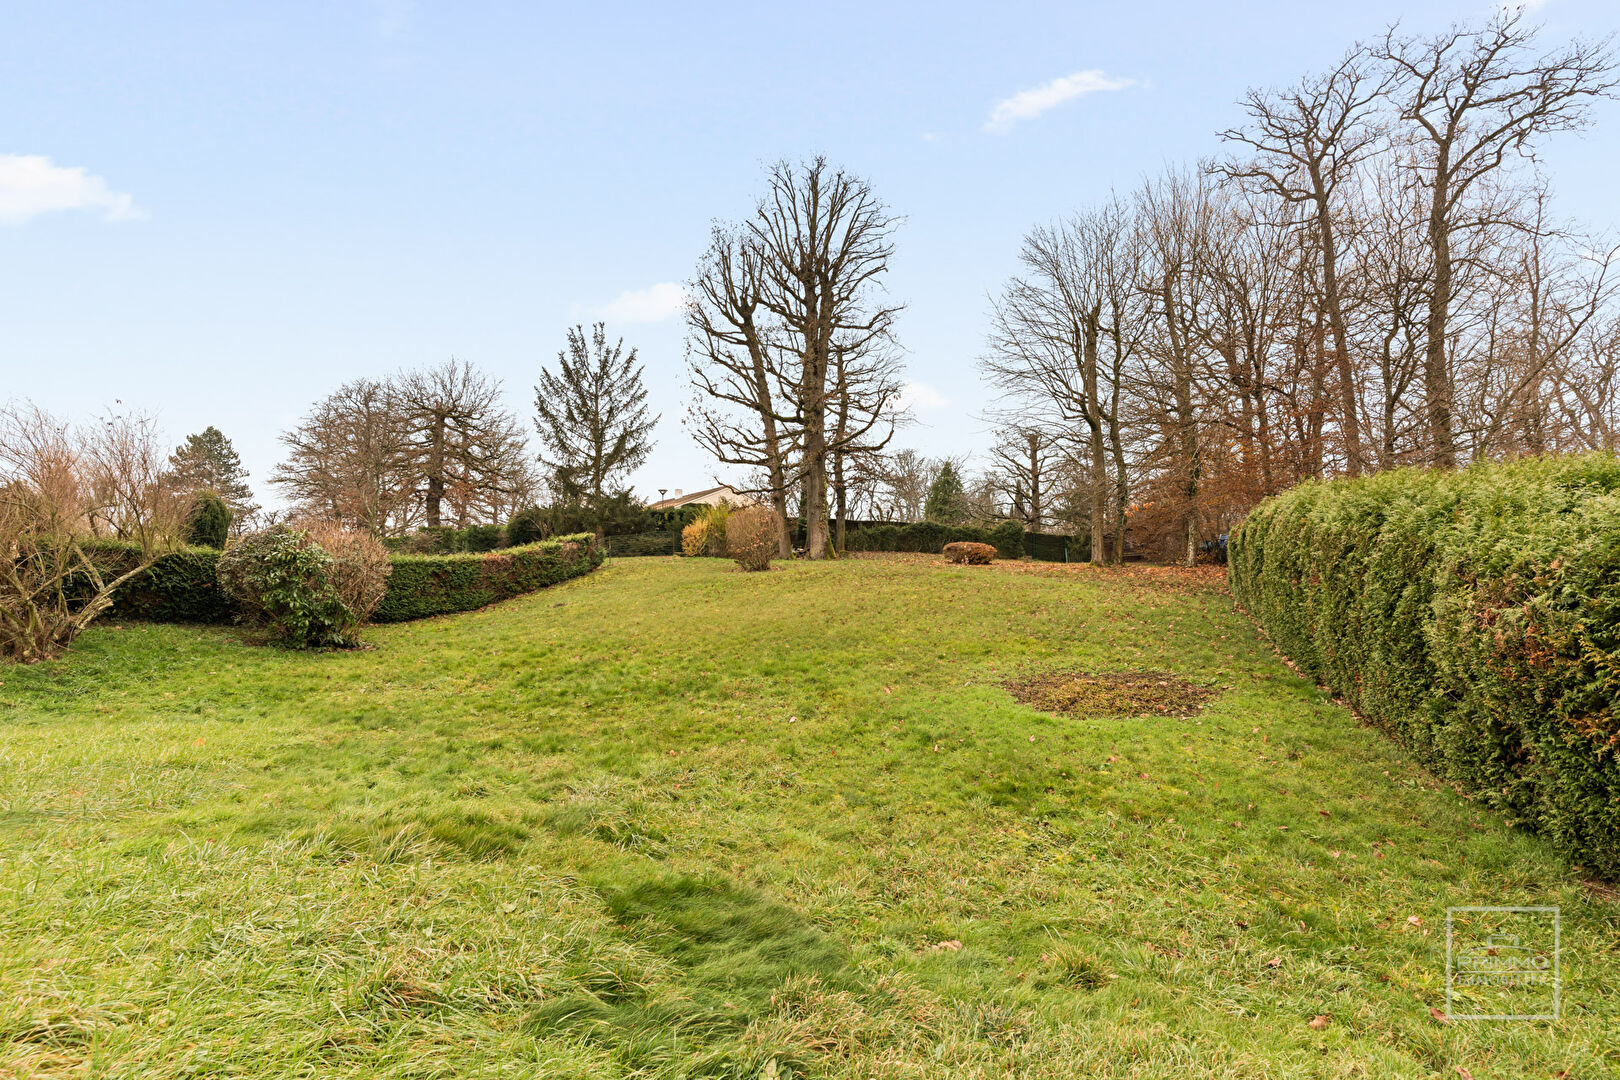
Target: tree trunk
x,y
1436,377
1350,420
1099,461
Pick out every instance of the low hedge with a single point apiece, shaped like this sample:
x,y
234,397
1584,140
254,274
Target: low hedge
x,y
931,537
424,585
183,588
1475,615
661,542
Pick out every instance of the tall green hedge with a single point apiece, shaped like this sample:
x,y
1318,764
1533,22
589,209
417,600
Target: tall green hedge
x,y
1475,615
931,537
423,585
180,587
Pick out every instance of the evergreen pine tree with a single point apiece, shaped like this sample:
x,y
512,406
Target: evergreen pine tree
x,y
592,417
208,462
947,502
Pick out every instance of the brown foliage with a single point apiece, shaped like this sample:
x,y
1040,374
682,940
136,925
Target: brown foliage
x,y
751,537
969,553
58,487
360,565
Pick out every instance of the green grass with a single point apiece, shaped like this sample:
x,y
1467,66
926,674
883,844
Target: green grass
x,y
673,820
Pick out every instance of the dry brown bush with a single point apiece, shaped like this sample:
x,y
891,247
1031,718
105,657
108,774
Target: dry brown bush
x,y
972,554
360,565
751,537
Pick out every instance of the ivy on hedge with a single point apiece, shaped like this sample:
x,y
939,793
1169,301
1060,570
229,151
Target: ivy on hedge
x,y
1475,615
183,587
931,537
424,585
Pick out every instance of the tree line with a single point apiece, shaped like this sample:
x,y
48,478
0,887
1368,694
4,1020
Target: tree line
x,y
1372,277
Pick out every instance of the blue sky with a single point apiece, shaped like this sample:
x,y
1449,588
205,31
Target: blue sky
x,y
242,208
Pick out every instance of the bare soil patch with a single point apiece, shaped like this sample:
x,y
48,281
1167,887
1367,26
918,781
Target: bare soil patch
x,y
1111,693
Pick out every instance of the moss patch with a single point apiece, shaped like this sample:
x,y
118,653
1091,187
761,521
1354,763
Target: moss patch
x,y
1111,693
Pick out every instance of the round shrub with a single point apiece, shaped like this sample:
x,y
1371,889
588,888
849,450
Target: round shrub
x,y
281,579
209,523
360,567
751,537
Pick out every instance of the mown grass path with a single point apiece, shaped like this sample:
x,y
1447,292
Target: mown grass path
x,y
673,820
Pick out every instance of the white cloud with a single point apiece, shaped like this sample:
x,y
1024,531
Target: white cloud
x,y
1028,104
652,304
30,185
916,395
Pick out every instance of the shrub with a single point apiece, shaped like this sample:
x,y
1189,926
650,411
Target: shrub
x,y
484,537
526,526
360,566
209,523
714,519
695,539
282,580
751,537
424,585
435,540
1475,615
970,553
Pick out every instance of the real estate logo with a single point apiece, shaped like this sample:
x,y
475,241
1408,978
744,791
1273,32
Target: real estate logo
x,y
1502,963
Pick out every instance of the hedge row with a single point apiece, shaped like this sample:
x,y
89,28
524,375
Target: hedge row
x,y
1475,615
423,585
660,542
931,537
182,586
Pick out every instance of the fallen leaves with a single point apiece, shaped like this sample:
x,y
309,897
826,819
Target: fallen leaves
x,y
946,946
1319,1022
1111,693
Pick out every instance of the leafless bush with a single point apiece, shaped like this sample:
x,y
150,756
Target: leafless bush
x,y
59,488
751,537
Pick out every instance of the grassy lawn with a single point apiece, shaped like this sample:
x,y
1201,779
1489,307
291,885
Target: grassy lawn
x,y
672,819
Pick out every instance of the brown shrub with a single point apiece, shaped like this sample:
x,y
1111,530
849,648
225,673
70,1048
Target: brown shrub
x,y
751,537
969,553
360,565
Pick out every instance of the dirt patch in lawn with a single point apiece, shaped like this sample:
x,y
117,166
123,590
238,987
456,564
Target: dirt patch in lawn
x,y
1111,693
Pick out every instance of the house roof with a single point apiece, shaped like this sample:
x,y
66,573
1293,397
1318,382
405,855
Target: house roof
x,y
689,498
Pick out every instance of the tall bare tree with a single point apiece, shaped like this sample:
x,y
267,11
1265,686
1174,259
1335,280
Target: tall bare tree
x,y
460,432
825,241
1475,99
352,460
1308,142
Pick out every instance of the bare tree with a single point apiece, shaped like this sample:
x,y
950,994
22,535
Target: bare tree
x,y
1022,470
824,242
351,460
460,433
734,370
1475,99
1309,142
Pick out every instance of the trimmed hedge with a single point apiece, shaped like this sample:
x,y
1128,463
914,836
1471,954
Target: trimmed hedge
x,y
662,542
183,587
931,537
424,585
1475,615
1057,547
180,587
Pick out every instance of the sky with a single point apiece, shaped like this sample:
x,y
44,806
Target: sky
x,y
219,213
